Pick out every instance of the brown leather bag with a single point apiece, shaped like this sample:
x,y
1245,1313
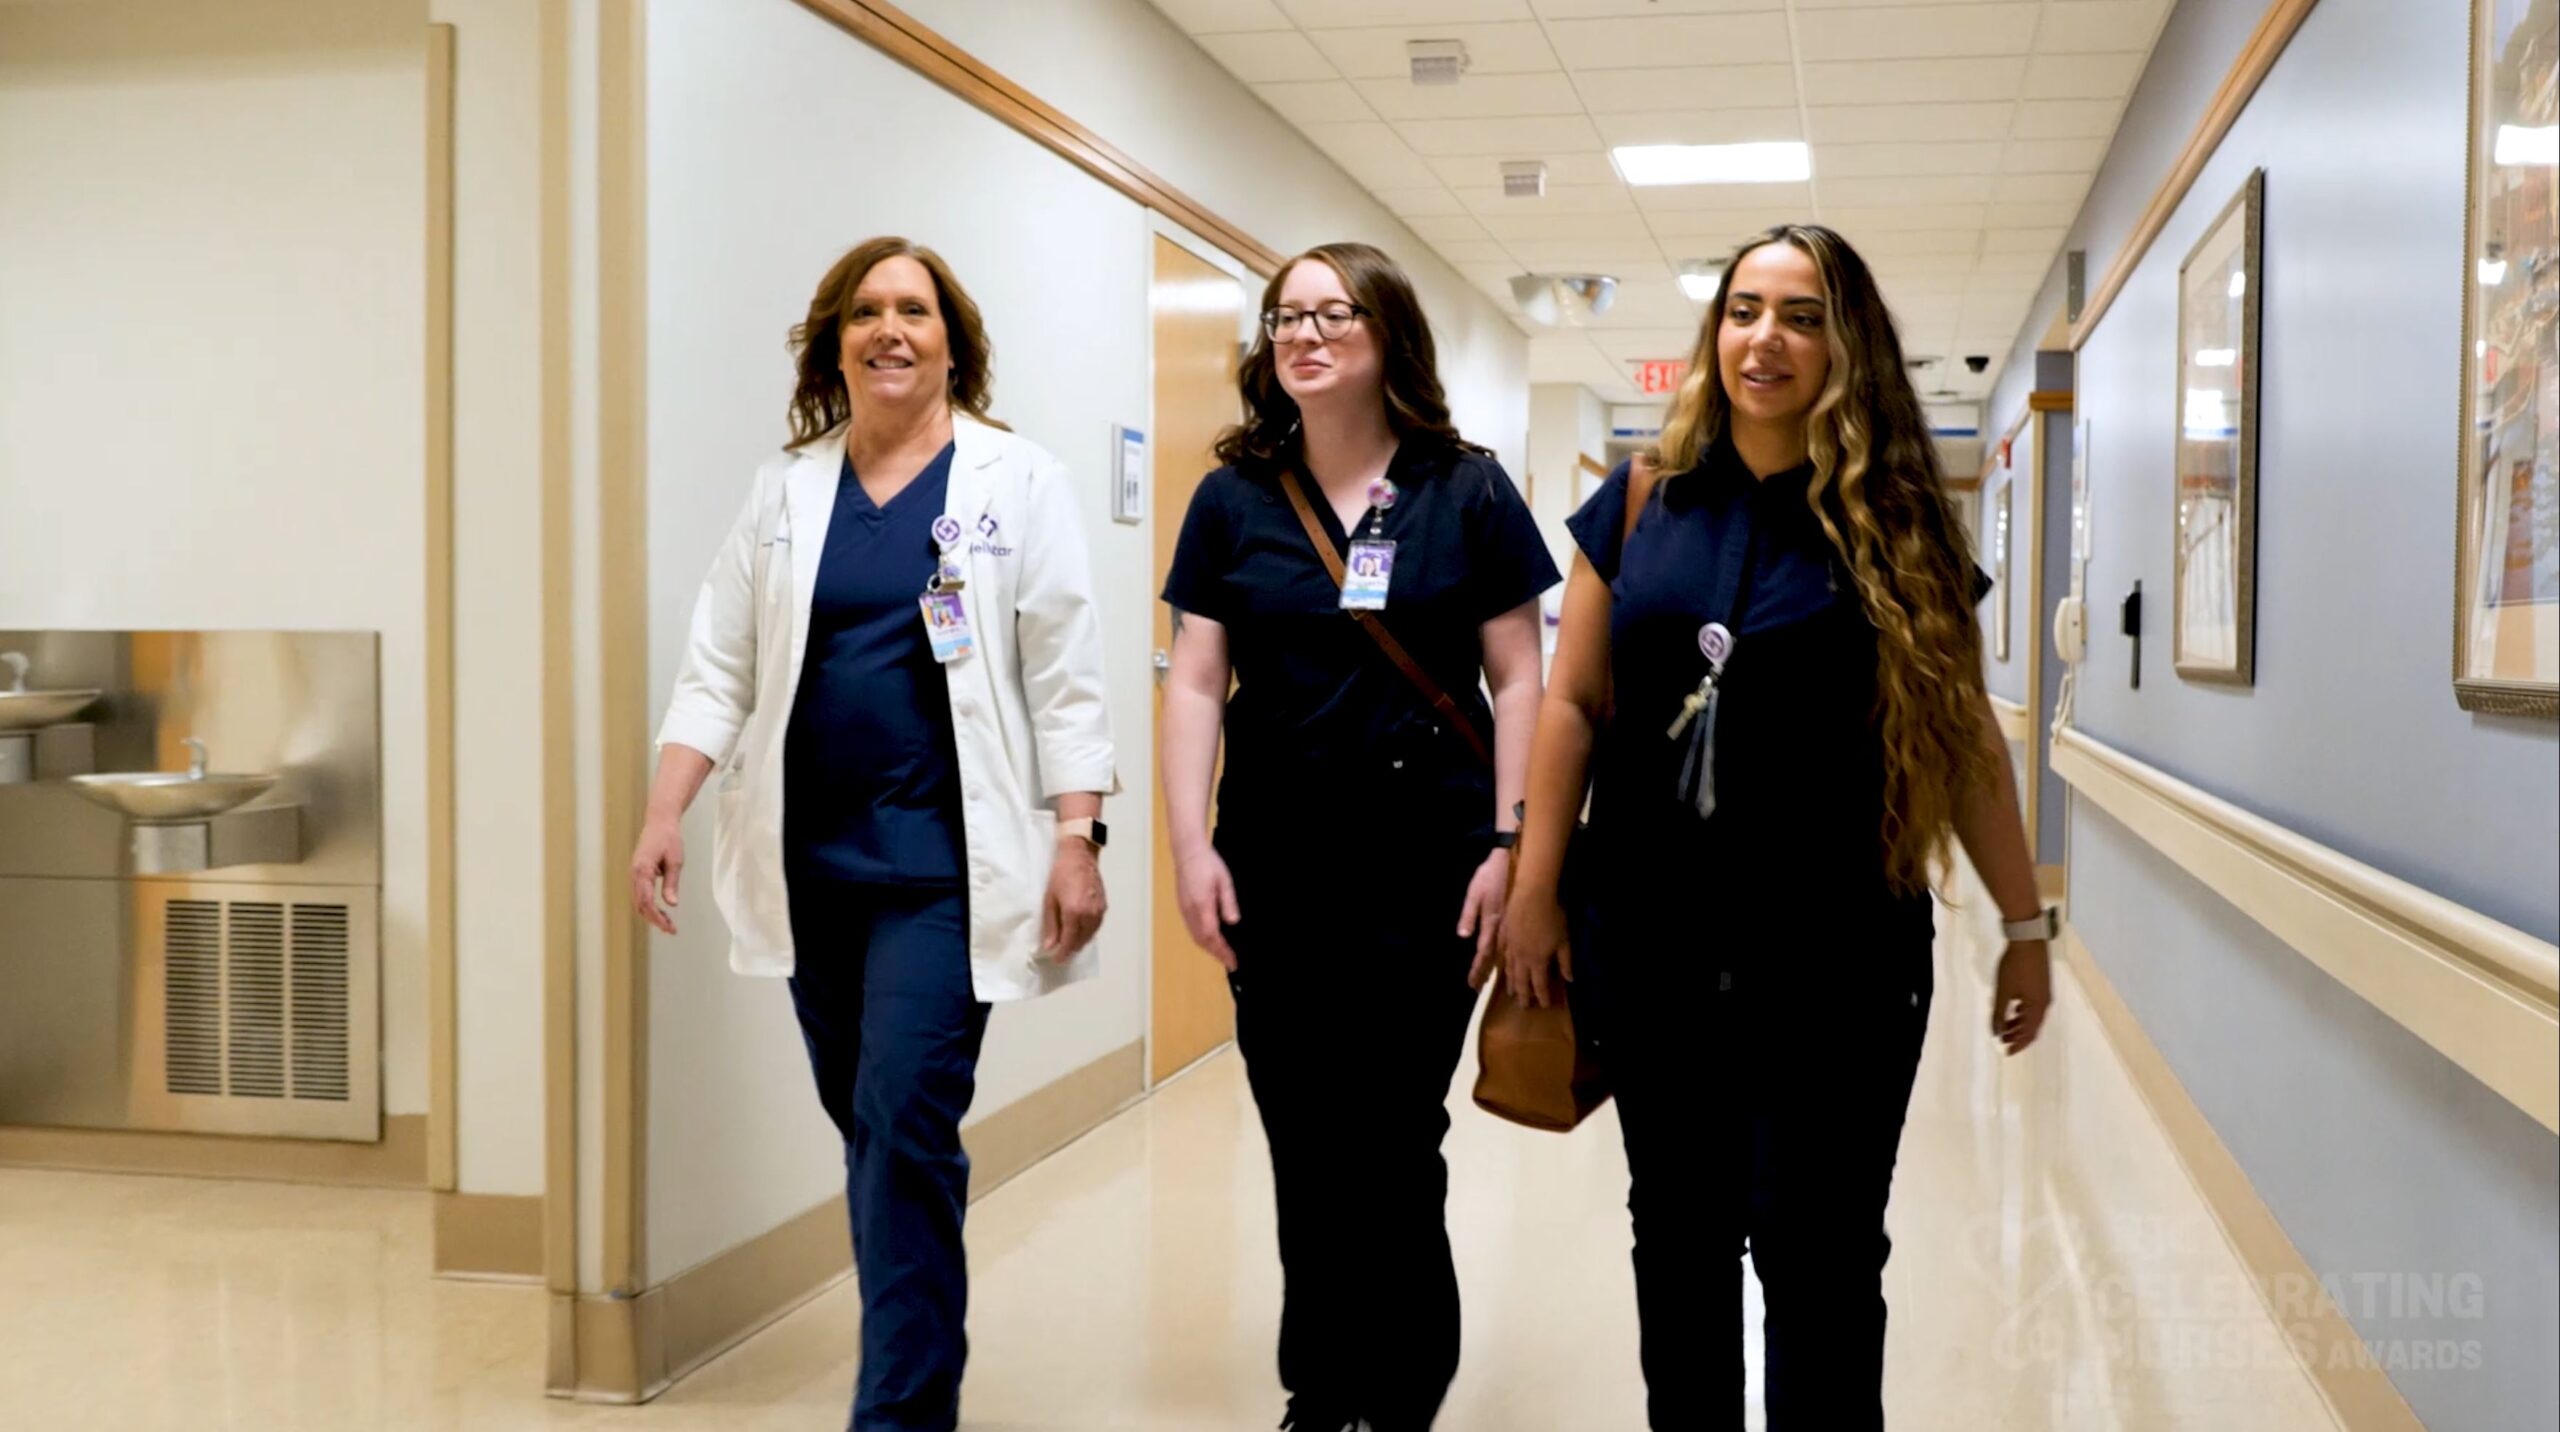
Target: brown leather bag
x,y
1532,1066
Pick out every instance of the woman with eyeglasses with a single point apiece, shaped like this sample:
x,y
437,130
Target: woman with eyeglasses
x,y
1355,570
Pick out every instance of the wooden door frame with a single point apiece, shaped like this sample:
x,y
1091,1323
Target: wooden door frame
x,y
1252,277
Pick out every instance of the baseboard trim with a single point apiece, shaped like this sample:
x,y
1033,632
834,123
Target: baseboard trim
x,y
399,1160
488,1236
631,1349
2359,1394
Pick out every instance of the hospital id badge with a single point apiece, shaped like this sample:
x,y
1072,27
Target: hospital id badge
x,y
1364,581
946,625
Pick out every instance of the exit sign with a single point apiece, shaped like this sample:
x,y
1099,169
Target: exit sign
x,y
1661,375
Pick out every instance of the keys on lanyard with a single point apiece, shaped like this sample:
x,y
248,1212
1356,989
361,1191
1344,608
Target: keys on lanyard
x,y
1373,558
946,611
1698,718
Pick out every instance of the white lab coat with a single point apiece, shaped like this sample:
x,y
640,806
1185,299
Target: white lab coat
x,y
1027,707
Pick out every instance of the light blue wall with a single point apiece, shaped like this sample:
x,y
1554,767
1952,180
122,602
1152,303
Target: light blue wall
x,y
2378,1155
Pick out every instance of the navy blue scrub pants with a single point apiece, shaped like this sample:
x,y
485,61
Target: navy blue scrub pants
x,y
1351,1015
1762,1111
893,1030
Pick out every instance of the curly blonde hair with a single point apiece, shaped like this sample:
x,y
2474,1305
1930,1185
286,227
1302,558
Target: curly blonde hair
x,y
1881,498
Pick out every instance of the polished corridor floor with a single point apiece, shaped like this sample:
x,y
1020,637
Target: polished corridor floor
x,y
2053,1268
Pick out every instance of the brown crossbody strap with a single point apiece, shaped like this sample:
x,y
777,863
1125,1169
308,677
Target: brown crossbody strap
x,y
1377,630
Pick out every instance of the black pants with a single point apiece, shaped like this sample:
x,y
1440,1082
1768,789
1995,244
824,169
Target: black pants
x,y
1761,1113
1351,1015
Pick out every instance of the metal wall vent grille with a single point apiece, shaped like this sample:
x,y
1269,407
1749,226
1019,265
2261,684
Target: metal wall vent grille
x,y
257,999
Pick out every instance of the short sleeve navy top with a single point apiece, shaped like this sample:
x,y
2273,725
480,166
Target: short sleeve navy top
x,y
1321,729
870,762
1799,757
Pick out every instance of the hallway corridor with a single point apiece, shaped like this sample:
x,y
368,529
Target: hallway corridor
x,y
2053,1268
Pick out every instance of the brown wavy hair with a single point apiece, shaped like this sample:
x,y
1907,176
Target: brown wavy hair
x,y
1267,440
1882,499
820,402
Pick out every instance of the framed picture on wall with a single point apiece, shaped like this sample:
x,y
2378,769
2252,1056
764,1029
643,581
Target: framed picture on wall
x,y
2506,621
2000,571
2213,618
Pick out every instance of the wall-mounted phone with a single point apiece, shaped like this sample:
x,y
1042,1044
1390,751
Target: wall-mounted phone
x,y
2071,630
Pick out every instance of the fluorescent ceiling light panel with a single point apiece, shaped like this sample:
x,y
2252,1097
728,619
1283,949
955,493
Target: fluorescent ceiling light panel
x,y
1790,162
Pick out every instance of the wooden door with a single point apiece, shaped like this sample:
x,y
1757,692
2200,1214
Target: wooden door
x,y
1198,310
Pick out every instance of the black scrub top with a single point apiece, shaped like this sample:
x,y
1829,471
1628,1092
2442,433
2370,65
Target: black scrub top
x,y
1797,838
1327,742
870,767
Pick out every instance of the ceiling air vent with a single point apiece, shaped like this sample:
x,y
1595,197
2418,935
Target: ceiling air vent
x,y
1524,179
1436,62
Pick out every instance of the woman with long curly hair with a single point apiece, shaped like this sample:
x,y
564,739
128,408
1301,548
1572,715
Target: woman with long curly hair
x,y
1358,864
1772,680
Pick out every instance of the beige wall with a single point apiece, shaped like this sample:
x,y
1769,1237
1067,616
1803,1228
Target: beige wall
x,y
212,223
497,588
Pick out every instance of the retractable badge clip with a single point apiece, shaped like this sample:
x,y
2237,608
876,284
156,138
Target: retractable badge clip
x,y
1698,719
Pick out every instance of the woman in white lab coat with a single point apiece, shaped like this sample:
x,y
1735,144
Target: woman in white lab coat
x,y
895,671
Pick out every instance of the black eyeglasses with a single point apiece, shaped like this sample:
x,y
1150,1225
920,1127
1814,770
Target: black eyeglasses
x,y
1333,321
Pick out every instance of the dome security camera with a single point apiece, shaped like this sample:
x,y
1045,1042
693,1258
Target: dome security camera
x,y
1977,362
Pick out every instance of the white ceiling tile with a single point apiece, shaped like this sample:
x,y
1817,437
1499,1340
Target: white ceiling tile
x,y
2055,156
1454,228
1624,257
1609,9
1618,91
1881,161
1560,199
1655,41
1493,278
1315,101
1932,189
2068,118
2019,265
1918,286
2025,241
1925,32
1894,271
1210,17
1912,81
1909,123
2082,76
1449,138
2100,27
1373,154
1484,171
1511,228
1854,220
2041,189
1635,345
1420,203
1691,198
1265,58
1701,126
1476,97
1377,52
1331,14
1897,243
1708,232
1471,251
2034,216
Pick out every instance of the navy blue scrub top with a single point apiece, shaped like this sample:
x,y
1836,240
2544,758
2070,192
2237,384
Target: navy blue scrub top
x,y
870,770
1326,740
1798,832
